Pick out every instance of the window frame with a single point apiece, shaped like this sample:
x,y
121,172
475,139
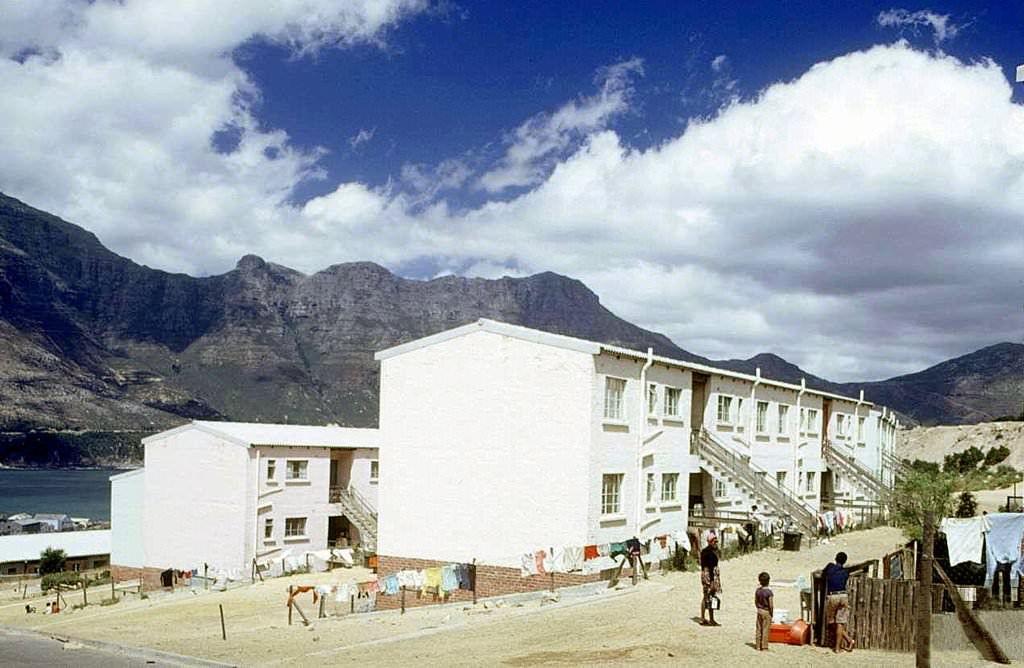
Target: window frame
x,y
289,533
674,487
782,415
676,395
304,469
268,529
724,408
374,475
271,472
719,489
652,400
809,480
761,417
615,399
651,489
611,494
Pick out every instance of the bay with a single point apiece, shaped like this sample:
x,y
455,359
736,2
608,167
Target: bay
x,y
79,493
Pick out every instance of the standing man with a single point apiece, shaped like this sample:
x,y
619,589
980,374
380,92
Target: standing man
x,y
837,604
710,579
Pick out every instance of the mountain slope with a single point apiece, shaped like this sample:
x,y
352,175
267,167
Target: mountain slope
x,y
92,340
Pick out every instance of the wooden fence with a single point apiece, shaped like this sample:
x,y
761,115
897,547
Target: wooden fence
x,y
882,613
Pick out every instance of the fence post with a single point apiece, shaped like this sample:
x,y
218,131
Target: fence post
x,y
924,600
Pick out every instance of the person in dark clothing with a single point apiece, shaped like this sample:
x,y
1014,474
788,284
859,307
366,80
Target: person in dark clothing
x,y
837,604
764,603
710,580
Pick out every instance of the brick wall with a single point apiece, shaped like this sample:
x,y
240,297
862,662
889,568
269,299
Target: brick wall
x,y
150,576
490,581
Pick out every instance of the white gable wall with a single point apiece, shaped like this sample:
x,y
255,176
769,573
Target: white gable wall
x,y
197,501
485,447
126,518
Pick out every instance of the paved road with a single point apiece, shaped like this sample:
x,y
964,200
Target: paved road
x,y
29,649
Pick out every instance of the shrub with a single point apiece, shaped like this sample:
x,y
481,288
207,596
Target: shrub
x,y
110,601
997,454
51,560
967,505
51,580
919,492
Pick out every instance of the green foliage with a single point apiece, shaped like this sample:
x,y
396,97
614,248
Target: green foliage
x,y
921,491
967,505
963,462
51,560
51,580
679,560
110,601
923,466
997,454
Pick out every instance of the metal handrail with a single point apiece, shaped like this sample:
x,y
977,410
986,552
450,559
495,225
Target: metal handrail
x,y
852,466
754,478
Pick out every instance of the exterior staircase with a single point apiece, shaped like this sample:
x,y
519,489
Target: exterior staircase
x,y
359,512
860,475
748,477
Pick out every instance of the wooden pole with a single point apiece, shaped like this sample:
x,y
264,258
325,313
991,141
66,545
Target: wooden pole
x,y
85,591
223,629
289,601
403,600
206,580
113,592
320,613
924,600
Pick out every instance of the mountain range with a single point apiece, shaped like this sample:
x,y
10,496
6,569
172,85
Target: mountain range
x,y
91,340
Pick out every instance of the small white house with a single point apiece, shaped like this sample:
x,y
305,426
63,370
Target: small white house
x,y
501,439
222,494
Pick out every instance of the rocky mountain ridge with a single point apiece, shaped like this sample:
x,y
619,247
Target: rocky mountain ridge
x,y
94,341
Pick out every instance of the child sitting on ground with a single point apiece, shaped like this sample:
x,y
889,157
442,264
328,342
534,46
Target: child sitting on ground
x,y
764,601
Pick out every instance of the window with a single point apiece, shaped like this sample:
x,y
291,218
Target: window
x,y
673,397
860,430
611,484
652,399
739,411
271,469
651,488
762,417
803,420
719,488
374,470
614,393
810,482
812,421
669,487
783,419
294,527
268,528
296,469
780,478
724,409
840,425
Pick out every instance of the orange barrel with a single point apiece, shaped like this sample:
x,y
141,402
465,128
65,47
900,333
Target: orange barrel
x,y
800,633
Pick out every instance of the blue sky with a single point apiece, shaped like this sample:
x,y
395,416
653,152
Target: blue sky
x,y
841,183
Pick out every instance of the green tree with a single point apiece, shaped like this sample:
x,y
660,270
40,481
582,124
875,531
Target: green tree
x,y
996,455
51,560
919,492
967,505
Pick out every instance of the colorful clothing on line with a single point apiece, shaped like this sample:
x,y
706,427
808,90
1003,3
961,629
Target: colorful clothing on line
x,y
590,552
432,579
539,557
572,559
528,565
449,581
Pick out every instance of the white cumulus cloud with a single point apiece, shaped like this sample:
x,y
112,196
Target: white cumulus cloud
x,y
941,25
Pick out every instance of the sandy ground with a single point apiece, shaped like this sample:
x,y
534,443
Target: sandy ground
x,y
653,623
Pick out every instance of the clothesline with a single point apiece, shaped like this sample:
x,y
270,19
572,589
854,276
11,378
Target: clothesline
x,y
574,558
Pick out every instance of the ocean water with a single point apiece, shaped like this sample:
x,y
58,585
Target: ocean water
x,y
77,493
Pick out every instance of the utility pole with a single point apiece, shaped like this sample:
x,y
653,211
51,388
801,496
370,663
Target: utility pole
x,y
924,594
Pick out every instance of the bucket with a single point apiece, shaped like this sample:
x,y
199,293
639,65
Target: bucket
x,y
797,633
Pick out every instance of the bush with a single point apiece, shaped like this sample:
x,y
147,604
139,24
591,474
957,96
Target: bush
x,y
51,561
679,559
51,580
996,455
919,492
967,505
963,462
110,601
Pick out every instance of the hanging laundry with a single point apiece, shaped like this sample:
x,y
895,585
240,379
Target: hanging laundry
x,y
633,547
555,563
419,579
341,594
1002,542
572,559
662,540
462,574
471,570
449,580
964,536
528,565
539,557
604,549
390,585
590,552
432,579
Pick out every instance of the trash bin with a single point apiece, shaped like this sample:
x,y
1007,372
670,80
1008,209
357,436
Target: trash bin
x,y
791,541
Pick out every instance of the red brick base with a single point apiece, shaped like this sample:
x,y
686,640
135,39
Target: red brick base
x,y
490,581
150,576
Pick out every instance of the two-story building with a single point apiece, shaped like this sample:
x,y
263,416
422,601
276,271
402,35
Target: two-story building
x,y
501,438
220,495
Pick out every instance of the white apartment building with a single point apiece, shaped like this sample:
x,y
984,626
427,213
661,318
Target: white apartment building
x,y
222,494
502,438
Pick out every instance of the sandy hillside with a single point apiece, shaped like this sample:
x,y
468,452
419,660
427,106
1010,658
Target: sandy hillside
x,y
651,624
933,443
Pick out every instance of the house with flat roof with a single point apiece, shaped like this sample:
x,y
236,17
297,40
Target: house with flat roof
x,y
502,438
222,494
85,550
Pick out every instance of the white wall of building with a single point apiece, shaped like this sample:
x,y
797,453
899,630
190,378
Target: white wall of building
x,y
197,501
485,441
127,501
282,498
